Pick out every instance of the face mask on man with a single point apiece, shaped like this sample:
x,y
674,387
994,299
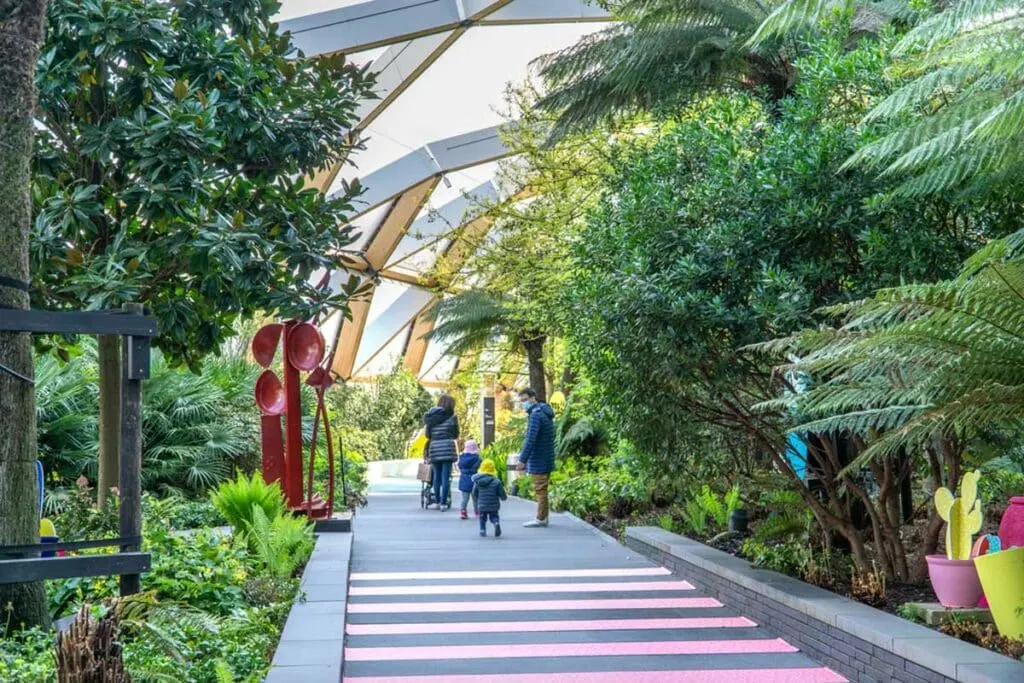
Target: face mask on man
x,y
527,403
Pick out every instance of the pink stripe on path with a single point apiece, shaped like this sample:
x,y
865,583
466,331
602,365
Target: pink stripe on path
x,y
815,675
527,605
474,588
509,574
541,626
535,650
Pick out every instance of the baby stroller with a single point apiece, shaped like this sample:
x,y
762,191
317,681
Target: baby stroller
x,y
425,474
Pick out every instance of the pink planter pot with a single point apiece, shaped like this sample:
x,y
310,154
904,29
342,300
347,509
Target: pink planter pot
x,y
1011,527
955,582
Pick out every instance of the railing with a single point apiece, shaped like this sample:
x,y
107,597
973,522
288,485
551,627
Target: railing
x,y
136,330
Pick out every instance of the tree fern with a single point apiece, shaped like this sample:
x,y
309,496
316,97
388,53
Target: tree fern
x,y
959,119
922,362
661,53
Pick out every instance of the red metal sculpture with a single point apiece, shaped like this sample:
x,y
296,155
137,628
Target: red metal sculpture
x,y
282,459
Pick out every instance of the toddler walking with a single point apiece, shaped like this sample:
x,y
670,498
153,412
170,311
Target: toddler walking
x,y
469,463
488,492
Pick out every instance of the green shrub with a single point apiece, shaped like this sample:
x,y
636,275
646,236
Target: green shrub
x,y
695,517
235,500
786,558
280,544
788,517
27,656
524,486
356,483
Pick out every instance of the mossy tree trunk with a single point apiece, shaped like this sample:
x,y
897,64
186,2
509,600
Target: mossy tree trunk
x,y
109,352
21,32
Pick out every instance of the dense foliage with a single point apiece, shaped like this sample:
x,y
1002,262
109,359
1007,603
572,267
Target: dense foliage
x,y
197,428
173,142
213,599
731,227
378,420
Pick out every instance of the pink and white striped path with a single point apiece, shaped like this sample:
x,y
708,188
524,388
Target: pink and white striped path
x,y
445,619
429,601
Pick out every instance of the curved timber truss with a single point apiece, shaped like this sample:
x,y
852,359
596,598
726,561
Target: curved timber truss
x,y
415,33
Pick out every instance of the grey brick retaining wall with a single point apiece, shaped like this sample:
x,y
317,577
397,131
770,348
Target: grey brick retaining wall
x,y
857,641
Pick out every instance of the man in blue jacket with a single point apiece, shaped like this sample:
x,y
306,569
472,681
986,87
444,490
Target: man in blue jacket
x,y
538,454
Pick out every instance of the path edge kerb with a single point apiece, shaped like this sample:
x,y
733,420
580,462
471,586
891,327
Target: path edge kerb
x,y
312,645
857,641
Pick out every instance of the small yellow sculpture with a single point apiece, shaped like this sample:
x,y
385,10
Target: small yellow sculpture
x,y
963,515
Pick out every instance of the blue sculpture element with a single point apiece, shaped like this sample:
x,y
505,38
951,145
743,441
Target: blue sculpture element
x,y
796,454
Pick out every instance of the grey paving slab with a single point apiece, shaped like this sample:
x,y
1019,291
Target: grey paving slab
x,y
305,674
308,653
305,627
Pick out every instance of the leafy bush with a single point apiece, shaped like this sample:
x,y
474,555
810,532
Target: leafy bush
x,y
27,656
788,517
786,558
235,500
280,544
590,487
196,428
356,483
379,419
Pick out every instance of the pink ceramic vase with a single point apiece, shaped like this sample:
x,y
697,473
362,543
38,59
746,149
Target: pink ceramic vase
x,y
1011,527
955,582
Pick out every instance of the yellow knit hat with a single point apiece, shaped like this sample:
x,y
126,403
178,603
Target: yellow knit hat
x,y
487,467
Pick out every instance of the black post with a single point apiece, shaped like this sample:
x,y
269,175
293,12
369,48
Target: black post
x,y
487,418
133,370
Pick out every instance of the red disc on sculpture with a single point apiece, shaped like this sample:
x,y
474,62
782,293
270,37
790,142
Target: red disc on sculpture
x,y
270,394
264,344
319,378
305,346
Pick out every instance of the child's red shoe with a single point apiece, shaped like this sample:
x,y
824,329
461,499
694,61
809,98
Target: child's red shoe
x,y
463,515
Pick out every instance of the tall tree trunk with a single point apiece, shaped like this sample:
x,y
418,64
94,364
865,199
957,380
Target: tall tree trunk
x,y
21,32
568,380
535,360
110,415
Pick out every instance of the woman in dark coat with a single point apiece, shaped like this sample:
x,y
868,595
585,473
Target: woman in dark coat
x,y
442,429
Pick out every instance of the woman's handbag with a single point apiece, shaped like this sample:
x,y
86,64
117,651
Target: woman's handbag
x,y
425,472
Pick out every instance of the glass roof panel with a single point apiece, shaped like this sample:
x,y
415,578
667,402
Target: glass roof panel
x,y
367,224
388,358
441,370
464,90
393,307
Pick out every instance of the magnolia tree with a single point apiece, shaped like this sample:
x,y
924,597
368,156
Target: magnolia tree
x,y
173,142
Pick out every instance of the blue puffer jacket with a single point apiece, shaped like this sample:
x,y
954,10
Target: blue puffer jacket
x,y
539,445
488,492
442,429
469,463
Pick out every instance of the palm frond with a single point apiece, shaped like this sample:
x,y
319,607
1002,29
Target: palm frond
x,y
660,53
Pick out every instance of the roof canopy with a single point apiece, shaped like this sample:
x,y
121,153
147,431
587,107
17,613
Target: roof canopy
x,y
432,148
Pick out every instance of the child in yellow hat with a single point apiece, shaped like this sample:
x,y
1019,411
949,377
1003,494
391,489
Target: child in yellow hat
x,y
488,492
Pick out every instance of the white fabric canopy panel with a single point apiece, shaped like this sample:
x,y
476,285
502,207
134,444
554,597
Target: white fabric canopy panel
x,y
432,146
392,310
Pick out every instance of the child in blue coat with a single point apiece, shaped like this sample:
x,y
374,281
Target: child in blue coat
x,y
469,463
488,492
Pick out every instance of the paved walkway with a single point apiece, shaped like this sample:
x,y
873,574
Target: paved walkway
x,y
429,601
